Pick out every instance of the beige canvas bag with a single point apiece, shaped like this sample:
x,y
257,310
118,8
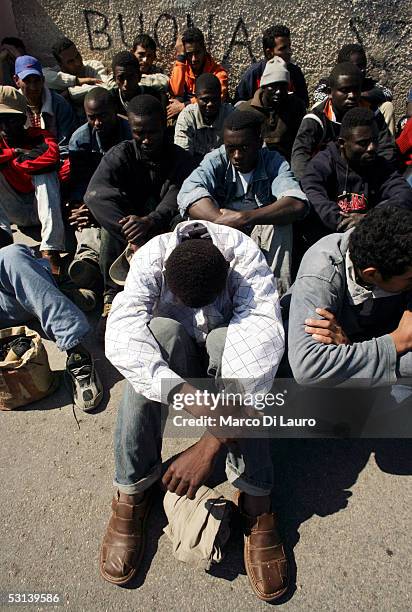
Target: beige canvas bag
x,y
28,379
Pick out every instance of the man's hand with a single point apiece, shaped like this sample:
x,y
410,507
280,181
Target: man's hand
x,y
88,81
402,336
80,216
174,108
327,330
192,468
232,218
136,229
349,220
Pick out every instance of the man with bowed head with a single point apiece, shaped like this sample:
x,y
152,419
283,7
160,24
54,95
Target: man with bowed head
x,y
200,301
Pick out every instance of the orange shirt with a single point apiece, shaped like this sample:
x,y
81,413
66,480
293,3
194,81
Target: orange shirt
x,y
182,79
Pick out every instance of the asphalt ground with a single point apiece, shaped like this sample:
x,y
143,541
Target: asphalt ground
x,y
344,507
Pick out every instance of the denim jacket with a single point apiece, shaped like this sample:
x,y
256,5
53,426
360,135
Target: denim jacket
x,y
87,139
216,178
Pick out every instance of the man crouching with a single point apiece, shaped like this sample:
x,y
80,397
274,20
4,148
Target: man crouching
x,y
201,294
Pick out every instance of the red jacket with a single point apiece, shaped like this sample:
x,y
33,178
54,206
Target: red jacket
x,y
39,154
182,80
404,143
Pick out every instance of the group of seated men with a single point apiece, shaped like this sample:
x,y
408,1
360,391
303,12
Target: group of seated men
x,y
222,207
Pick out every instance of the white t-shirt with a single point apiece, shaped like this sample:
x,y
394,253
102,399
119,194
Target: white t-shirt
x,y
245,179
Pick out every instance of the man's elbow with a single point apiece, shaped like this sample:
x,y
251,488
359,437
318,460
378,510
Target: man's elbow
x,y
301,207
298,209
301,373
298,166
182,208
92,199
309,369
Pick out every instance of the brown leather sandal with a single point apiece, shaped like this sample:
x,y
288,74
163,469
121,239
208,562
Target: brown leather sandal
x,y
264,555
124,541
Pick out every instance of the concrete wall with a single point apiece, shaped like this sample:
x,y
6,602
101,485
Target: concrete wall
x,y
233,29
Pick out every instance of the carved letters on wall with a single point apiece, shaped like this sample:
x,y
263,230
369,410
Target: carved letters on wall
x,y
165,32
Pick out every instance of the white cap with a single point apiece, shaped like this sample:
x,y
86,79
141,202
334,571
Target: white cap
x,y
275,72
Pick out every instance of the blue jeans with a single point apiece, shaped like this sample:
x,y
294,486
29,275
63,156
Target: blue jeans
x,y
27,291
138,434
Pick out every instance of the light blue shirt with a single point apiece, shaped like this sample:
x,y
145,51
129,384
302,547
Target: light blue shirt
x,y
217,179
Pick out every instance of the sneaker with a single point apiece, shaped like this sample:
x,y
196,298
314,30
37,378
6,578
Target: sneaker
x,y
84,272
84,381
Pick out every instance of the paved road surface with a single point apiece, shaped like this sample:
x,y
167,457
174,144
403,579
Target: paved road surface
x,y
345,508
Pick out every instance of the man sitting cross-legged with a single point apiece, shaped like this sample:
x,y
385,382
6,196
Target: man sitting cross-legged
x,y
133,193
46,108
349,178
373,93
276,42
73,76
27,291
202,294
250,188
199,127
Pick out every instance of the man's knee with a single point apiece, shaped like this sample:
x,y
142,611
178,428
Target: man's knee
x,y
168,331
131,399
215,341
388,111
12,255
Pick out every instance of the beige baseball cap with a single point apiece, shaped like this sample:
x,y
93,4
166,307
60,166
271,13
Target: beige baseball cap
x,y
275,72
12,101
120,267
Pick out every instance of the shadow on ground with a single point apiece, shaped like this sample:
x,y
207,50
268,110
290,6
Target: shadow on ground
x,y
330,468
313,478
